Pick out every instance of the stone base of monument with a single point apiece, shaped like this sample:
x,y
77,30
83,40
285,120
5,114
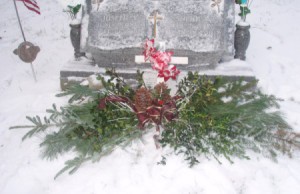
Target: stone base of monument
x,y
78,71
133,58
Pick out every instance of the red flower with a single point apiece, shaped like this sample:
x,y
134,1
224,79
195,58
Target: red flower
x,y
149,49
160,102
170,72
160,61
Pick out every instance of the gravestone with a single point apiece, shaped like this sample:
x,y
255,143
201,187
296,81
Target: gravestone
x,y
199,32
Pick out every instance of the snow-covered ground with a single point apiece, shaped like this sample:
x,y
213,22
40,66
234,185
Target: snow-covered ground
x,y
273,53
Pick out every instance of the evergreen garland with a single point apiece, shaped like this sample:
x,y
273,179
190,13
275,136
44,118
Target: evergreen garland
x,y
215,118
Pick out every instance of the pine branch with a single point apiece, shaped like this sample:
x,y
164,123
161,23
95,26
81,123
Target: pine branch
x,y
78,92
37,126
85,153
286,141
55,144
62,119
72,165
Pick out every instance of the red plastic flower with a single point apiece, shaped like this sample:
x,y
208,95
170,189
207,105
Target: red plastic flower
x,y
170,72
160,61
160,102
149,49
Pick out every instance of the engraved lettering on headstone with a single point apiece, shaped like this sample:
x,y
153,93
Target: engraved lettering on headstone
x,y
110,29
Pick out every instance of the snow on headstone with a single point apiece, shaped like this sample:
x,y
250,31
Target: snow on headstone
x,y
199,33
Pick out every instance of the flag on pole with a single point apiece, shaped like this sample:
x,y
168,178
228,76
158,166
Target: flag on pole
x,y
31,5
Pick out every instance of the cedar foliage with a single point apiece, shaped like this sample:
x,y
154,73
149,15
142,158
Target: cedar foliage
x,y
216,118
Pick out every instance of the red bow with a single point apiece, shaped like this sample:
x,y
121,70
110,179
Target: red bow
x,y
112,98
155,113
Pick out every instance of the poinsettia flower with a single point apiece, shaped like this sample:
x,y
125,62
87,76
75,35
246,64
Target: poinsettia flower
x,y
163,57
170,72
149,49
160,60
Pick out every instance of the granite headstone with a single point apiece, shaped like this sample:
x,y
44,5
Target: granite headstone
x,y
199,32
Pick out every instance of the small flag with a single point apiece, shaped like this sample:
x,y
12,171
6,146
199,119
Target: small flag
x,y
31,5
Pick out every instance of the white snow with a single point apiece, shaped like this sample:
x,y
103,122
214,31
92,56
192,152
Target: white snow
x,y
273,54
75,22
242,23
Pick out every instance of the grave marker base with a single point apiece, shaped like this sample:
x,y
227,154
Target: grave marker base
x,y
78,71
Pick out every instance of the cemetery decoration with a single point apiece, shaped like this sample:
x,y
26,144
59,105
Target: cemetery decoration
x,y
244,8
72,11
26,51
160,61
75,32
206,117
242,33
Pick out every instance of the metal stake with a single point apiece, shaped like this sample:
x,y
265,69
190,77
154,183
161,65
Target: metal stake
x,y
20,25
19,20
33,73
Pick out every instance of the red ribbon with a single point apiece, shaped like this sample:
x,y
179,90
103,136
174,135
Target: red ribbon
x,y
112,98
155,113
